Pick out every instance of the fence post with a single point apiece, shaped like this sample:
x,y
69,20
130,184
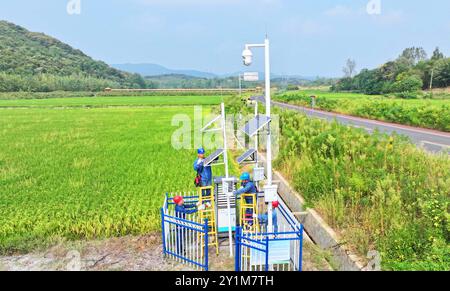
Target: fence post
x,y
267,253
300,263
163,227
237,259
206,245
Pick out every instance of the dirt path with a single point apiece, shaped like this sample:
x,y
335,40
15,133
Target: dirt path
x,y
142,253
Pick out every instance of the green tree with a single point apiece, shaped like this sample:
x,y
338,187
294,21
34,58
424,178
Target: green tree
x,y
437,55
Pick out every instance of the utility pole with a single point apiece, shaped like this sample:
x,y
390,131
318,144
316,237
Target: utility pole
x,y
431,80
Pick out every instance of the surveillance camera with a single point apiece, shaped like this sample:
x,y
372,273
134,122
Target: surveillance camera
x,y
247,61
247,55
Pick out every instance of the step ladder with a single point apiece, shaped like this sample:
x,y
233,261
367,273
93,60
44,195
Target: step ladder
x,y
248,223
206,195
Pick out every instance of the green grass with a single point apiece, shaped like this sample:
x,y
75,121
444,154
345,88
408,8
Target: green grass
x,y
350,96
87,173
429,113
113,101
382,193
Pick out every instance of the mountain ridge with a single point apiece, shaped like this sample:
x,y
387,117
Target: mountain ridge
x,y
27,53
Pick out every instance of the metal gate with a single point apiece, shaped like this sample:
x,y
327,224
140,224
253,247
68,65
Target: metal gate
x,y
184,240
281,250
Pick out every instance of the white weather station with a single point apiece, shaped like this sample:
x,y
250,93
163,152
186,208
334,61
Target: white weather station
x,y
257,229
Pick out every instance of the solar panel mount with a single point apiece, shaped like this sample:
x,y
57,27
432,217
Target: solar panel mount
x,y
209,124
248,157
213,158
256,124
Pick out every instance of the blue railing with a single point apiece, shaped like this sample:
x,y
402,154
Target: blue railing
x,y
184,239
258,251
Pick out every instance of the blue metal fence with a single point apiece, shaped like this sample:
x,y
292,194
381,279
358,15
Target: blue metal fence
x,y
277,251
184,240
280,251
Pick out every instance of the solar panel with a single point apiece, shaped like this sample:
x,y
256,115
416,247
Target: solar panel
x,y
214,157
250,154
255,125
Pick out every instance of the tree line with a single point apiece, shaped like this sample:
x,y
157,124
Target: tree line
x,y
411,72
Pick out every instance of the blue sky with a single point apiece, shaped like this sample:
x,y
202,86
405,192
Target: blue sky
x,y
309,38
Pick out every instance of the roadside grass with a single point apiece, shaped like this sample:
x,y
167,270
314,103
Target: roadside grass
x,y
87,173
380,192
428,113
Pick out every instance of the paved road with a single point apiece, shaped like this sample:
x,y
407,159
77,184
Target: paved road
x,y
430,140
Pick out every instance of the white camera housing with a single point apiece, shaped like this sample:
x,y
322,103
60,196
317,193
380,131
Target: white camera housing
x,y
247,55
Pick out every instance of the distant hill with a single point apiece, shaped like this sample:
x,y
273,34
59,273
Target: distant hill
x,y
25,53
150,70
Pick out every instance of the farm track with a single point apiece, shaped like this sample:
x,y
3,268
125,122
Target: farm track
x,y
431,140
129,253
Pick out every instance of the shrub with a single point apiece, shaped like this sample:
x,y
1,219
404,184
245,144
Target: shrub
x,y
380,192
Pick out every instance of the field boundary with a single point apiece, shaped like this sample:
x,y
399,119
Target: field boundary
x,y
99,107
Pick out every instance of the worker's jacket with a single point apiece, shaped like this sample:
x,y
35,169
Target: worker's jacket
x,y
205,172
264,219
182,210
247,188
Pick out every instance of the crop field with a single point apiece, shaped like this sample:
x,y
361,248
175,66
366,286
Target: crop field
x,y
113,101
87,173
381,193
429,113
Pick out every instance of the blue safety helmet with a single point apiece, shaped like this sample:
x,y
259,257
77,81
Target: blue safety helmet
x,y
245,177
201,151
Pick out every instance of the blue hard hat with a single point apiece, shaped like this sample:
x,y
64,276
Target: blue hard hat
x,y
201,151
245,176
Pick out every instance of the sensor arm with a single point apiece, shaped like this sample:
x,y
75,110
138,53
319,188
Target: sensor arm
x,y
248,46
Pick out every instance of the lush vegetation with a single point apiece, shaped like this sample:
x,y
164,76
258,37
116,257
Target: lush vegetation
x,y
88,173
113,101
75,94
380,192
189,82
434,114
38,63
410,72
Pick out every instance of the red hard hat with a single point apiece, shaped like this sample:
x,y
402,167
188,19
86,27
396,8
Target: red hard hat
x,y
177,199
275,204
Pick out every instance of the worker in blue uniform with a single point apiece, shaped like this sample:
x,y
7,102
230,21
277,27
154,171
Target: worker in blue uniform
x,y
264,218
248,187
181,210
205,172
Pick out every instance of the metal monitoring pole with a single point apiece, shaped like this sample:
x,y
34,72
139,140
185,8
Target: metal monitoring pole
x,y
225,146
269,135
240,86
256,136
216,155
248,59
227,175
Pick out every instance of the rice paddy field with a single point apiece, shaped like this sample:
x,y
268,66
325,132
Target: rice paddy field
x,y
81,173
113,101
